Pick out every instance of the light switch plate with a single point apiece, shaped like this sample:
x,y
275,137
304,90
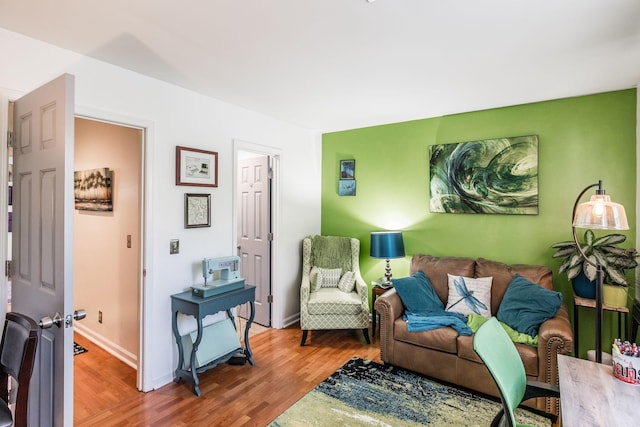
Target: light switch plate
x,y
174,246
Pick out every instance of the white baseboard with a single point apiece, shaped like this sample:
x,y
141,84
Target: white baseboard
x,y
291,320
107,345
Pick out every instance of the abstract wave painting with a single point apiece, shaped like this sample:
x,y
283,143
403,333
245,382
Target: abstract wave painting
x,y
491,176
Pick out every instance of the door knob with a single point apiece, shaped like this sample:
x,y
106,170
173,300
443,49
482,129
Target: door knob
x,y
47,322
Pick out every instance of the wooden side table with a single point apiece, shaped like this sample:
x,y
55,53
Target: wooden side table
x,y
376,291
591,303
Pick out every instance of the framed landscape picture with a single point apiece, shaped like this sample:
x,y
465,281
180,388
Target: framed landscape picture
x,y
92,190
490,176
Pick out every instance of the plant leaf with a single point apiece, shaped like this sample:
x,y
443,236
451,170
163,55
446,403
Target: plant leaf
x,y
600,257
609,239
564,244
589,237
590,270
616,276
573,272
566,251
575,259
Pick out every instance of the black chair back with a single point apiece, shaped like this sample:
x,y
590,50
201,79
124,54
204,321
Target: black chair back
x,y
17,357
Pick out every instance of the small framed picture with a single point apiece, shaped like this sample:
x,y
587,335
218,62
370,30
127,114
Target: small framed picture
x,y
197,210
196,167
347,187
347,169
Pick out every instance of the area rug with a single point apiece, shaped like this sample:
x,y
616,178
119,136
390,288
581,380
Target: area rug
x,y
365,393
78,349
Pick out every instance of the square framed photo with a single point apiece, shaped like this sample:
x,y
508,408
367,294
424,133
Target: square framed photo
x,y
197,210
347,187
196,167
347,169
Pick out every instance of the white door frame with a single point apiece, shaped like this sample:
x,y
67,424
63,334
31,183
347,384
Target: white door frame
x,y
6,95
276,158
144,381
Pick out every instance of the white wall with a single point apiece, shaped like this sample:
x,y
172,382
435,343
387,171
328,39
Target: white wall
x,y
180,117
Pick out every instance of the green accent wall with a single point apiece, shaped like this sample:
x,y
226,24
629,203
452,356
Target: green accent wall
x,y
581,140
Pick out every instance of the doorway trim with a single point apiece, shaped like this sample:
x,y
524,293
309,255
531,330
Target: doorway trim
x,y
276,157
143,376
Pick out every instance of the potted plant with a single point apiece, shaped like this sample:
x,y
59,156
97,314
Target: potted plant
x,y
605,252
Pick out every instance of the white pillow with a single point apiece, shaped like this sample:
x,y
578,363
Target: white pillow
x,y
313,279
347,282
478,297
328,277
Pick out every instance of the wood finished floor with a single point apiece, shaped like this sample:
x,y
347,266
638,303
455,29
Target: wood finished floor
x,y
105,392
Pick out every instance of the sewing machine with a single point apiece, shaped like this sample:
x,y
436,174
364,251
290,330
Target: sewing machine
x,y
227,269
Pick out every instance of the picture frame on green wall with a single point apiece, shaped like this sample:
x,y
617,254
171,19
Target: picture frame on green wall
x,y
347,169
347,187
490,176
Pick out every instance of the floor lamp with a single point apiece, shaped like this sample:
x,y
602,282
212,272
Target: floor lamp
x,y
598,213
387,245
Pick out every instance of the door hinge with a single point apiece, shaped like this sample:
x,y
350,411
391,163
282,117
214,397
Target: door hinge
x,y
270,173
270,299
7,268
270,237
9,138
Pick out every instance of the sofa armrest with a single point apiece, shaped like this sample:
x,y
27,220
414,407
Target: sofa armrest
x,y
555,336
390,308
363,291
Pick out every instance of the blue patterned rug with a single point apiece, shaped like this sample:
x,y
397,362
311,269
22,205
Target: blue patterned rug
x,y
365,393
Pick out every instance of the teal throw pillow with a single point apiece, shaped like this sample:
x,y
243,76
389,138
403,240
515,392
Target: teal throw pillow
x,y
417,294
526,305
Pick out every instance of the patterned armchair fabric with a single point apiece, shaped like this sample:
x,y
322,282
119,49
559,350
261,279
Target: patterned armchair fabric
x,y
331,308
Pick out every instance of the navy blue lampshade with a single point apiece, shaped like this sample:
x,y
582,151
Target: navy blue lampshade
x,y
387,244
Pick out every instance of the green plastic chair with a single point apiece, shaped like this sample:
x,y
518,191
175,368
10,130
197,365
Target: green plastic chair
x,y
500,356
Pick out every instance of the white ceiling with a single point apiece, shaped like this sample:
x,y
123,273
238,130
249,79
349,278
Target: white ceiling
x,y
342,64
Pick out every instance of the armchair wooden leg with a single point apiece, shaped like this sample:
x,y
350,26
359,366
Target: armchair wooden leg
x,y
304,337
365,331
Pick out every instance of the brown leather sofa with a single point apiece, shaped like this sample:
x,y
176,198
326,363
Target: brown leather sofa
x,y
444,355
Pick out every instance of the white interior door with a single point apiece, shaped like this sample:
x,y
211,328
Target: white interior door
x,y
42,282
254,231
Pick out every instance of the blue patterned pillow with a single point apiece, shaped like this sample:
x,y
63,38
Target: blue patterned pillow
x,y
417,294
526,305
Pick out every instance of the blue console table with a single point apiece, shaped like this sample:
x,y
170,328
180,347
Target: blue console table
x,y
198,307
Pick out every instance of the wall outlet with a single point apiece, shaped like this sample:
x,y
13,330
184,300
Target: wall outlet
x,y
99,316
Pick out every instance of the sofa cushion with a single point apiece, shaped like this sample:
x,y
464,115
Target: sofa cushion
x,y
528,354
466,291
437,268
417,294
526,305
441,339
347,282
313,278
334,301
503,273
328,277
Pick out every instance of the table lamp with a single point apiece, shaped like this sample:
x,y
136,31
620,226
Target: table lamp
x,y
602,214
387,245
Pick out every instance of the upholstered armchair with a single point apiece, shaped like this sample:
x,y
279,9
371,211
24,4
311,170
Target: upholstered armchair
x,y
332,299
